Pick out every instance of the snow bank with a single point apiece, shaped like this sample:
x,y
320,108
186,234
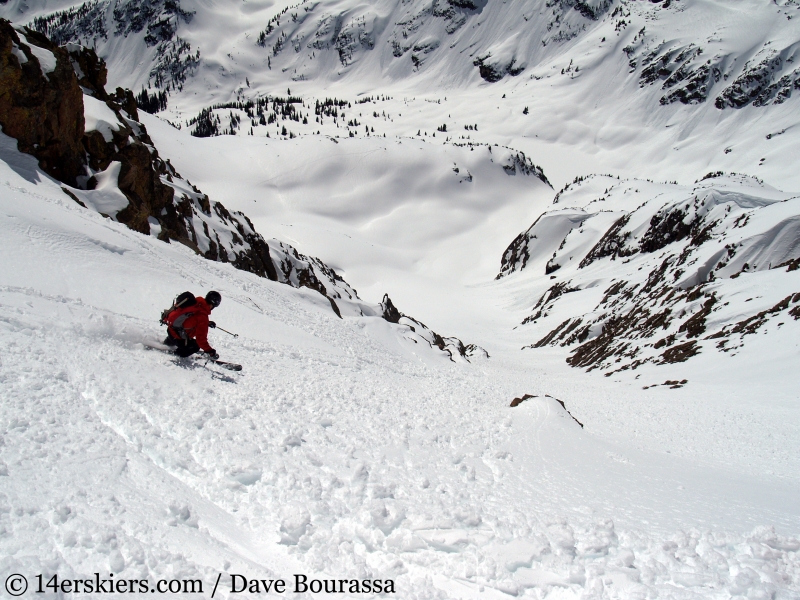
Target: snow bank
x,y
47,60
106,198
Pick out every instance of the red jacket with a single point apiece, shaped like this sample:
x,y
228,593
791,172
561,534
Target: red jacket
x,y
193,320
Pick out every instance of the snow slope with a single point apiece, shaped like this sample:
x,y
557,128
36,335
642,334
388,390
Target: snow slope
x,y
348,448
340,451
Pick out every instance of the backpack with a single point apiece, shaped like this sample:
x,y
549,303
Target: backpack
x,y
184,300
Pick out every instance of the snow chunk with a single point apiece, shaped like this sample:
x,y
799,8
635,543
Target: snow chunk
x,y
155,226
106,198
180,514
15,50
294,526
47,60
248,476
99,117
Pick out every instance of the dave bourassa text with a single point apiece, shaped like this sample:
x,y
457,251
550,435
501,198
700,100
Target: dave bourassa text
x,y
302,584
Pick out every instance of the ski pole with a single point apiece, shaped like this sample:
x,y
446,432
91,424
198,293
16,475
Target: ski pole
x,y
235,335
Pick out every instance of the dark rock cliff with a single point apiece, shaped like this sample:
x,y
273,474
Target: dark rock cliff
x,y
41,106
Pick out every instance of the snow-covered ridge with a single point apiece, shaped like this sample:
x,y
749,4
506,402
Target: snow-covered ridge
x,y
420,332
298,270
629,272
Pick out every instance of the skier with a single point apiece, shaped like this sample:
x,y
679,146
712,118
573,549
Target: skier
x,y
188,324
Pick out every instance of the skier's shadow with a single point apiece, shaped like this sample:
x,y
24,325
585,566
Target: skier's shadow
x,y
188,364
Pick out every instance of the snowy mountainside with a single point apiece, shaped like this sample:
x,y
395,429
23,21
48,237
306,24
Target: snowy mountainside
x,y
153,25
108,163
629,272
680,47
356,443
342,451
668,90
459,40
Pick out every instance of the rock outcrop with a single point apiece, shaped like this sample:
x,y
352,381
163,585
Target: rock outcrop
x,y
691,74
41,103
46,93
422,333
637,272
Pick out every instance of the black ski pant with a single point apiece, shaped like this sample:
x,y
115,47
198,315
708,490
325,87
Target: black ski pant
x,y
183,348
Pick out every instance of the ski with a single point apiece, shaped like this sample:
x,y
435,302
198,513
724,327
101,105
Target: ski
x,y
171,351
225,365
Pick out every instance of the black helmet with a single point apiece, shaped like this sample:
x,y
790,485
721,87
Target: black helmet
x,y
213,298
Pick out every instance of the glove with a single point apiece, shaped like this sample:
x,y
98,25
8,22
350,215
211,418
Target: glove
x,y
212,325
212,354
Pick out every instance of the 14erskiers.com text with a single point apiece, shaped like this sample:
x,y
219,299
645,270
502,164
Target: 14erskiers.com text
x,y
238,584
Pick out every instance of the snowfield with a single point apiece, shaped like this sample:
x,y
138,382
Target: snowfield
x,y
415,219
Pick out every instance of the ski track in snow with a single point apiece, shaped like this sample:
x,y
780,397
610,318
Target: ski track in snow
x,y
351,463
